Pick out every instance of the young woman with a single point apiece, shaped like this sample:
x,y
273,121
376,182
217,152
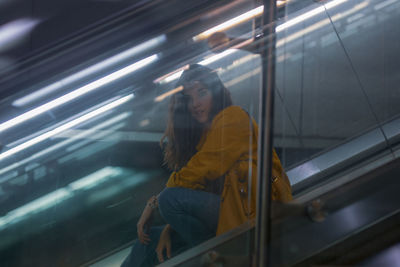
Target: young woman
x,y
211,146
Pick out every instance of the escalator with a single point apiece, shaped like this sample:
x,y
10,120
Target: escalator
x,y
80,131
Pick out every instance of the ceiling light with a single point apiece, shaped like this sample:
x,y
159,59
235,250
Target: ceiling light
x,y
167,94
64,127
88,71
77,93
230,23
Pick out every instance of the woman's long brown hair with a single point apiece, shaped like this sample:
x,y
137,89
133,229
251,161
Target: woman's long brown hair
x,y
183,132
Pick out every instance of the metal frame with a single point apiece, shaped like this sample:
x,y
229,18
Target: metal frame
x,y
263,219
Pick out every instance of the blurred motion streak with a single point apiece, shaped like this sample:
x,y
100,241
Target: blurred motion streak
x,y
230,23
61,144
84,149
257,12
65,126
95,178
35,206
89,71
167,94
251,14
99,135
54,198
384,4
217,57
308,15
171,76
243,77
177,73
78,92
280,3
12,32
89,150
319,25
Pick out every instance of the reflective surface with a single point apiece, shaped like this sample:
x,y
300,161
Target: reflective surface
x,y
80,130
335,125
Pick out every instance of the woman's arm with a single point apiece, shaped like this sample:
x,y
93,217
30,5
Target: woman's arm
x,y
144,219
228,138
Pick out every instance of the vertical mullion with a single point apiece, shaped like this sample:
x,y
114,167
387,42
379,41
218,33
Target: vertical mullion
x,y
263,220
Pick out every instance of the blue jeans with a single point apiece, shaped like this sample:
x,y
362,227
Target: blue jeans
x,y
192,214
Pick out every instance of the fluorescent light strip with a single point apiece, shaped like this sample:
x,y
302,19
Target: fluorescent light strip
x,y
89,71
217,57
12,32
308,15
78,92
64,127
319,25
167,94
95,178
173,77
230,23
254,12
280,3
384,4
35,206
177,73
51,199
61,144
257,12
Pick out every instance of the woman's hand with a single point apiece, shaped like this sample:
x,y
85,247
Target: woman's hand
x,y
164,243
144,222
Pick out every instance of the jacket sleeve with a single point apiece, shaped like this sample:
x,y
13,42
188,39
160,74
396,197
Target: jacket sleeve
x,y
227,139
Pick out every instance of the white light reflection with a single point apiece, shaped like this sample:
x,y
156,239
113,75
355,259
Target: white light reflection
x,y
177,73
54,198
101,135
61,144
167,94
319,25
231,23
77,93
35,206
89,71
91,149
254,12
95,178
308,15
217,57
259,11
384,4
302,172
64,127
12,32
173,77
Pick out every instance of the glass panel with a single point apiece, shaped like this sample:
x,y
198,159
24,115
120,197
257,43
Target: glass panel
x,y
335,130
315,110
84,160
375,72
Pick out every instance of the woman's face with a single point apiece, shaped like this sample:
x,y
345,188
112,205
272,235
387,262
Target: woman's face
x,y
200,102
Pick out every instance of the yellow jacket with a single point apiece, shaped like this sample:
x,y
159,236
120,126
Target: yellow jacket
x,y
229,149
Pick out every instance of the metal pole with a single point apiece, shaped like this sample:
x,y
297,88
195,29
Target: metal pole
x,y
263,223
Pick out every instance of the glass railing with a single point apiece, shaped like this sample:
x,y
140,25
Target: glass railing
x,y
335,130
81,152
83,149
334,104
330,95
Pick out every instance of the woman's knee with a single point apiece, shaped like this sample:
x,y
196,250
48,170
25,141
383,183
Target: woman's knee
x,y
169,201
166,198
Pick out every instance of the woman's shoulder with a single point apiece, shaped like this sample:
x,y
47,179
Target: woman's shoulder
x,y
234,113
236,110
